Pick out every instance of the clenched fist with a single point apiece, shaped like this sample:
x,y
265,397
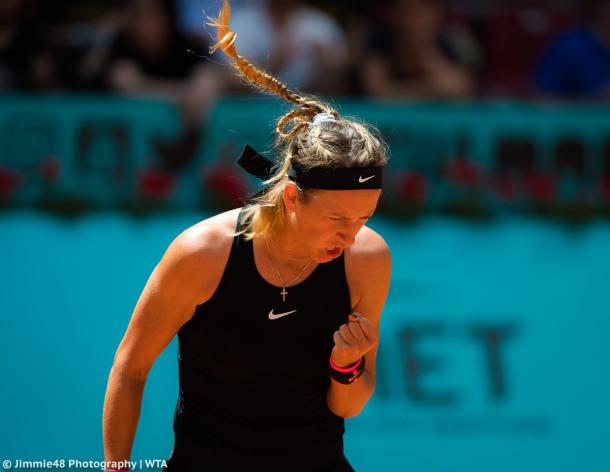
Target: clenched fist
x,y
353,340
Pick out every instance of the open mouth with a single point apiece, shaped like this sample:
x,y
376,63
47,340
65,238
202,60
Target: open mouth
x,y
333,252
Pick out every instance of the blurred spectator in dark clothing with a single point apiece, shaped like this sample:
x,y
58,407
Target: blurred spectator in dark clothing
x,y
577,64
414,57
27,59
302,46
150,56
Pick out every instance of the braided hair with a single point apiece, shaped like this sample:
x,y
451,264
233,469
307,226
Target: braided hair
x,y
340,142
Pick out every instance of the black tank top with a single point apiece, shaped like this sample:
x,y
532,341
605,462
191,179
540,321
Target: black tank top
x,y
253,373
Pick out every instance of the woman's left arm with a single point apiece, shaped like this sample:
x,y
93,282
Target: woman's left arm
x,y
368,270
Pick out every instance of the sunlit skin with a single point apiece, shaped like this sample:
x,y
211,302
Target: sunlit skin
x,y
192,267
326,220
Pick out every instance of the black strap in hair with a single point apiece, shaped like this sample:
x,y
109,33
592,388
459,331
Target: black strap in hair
x,y
255,164
325,178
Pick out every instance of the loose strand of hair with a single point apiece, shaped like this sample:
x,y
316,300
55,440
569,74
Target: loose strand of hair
x,y
261,79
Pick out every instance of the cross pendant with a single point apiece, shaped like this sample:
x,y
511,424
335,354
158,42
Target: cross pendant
x,y
283,293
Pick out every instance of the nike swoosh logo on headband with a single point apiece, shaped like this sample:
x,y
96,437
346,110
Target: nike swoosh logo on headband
x,y
275,316
361,180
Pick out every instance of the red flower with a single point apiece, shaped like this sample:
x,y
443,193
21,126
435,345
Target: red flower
x,y
10,181
413,187
463,172
156,184
605,187
226,183
50,169
541,187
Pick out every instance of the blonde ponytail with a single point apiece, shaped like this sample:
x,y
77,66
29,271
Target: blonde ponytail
x,y
337,143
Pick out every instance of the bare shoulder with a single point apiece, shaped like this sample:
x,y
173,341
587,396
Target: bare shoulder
x,y
201,251
207,236
187,275
369,248
368,265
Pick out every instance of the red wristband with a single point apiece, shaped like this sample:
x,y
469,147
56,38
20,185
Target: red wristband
x,y
348,368
346,375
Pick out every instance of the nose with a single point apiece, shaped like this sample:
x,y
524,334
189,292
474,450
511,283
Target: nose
x,y
347,238
348,231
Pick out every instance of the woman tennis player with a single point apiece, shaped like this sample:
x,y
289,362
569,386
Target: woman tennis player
x,y
276,305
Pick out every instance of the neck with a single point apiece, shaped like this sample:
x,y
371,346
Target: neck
x,y
287,250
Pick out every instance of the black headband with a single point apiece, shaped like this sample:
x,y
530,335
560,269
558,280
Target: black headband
x,y
324,178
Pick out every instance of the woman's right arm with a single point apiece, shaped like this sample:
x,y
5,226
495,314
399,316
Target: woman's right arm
x,y
176,286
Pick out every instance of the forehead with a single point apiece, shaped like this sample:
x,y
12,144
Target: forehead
x,y
345,202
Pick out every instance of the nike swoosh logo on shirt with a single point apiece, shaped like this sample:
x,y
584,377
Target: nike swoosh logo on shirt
x,y
361,180
275,316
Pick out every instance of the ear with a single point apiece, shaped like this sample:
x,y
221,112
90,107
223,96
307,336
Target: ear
x,y
291,196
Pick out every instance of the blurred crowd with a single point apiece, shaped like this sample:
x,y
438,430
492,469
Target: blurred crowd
x,y
387,49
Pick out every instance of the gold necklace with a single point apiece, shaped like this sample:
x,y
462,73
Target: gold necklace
x,y
284,292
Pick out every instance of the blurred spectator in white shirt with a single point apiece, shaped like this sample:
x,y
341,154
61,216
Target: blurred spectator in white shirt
x,y
302,46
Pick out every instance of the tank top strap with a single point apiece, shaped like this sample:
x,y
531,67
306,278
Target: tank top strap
x,y
239,227
240,258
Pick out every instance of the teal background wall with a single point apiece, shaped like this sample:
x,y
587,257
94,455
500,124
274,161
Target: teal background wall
x,y
493,347
104,147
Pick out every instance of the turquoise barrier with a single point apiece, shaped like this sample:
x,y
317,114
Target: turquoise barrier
x,y
73,146
493,345
470,158
421,133
517,153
